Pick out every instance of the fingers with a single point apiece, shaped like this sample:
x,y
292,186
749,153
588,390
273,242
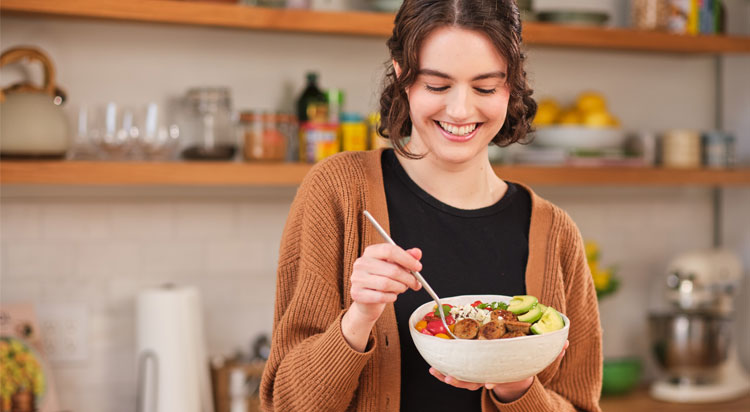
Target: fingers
x,y
394,254
562,353
455,382
376,261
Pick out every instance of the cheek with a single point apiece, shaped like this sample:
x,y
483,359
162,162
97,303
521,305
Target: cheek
x,y
497,107
423,105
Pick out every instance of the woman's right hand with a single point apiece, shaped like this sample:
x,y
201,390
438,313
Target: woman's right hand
x,y
378,277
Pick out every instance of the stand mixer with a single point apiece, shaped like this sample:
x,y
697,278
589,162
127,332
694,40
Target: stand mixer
x,y
691,337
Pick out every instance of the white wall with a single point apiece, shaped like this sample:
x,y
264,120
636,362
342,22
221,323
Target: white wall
x,y
99,246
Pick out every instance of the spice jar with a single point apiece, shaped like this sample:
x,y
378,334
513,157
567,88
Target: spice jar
x,y
262,136
251,127
274,144
651,14
209,133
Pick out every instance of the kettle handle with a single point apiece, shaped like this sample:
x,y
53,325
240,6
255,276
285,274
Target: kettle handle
x,y
18,53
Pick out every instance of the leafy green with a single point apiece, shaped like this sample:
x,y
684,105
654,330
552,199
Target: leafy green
x,y
493,306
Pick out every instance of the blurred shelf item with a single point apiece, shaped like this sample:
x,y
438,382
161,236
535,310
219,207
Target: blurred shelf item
x,y
360,23
291,174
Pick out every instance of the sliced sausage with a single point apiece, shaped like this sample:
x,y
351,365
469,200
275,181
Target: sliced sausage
x,y
493,329
516,326
466,329
514,334
503,314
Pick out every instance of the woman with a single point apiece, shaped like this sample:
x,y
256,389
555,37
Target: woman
x,y
341,339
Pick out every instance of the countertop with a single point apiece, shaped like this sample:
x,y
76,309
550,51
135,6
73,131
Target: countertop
x,y
640,401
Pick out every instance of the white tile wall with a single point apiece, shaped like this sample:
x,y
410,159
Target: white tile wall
x,y
101,251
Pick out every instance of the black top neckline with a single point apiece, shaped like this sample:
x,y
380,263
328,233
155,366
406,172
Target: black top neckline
x,y
390,156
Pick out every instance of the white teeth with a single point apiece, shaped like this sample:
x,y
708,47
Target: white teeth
x,y
458,131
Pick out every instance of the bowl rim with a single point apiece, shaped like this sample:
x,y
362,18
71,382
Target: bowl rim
x,y
477,341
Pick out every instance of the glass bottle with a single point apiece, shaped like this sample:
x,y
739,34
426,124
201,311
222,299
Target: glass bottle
x,y
311,99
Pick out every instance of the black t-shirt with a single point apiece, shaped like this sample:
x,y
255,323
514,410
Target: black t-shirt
x,y
465,252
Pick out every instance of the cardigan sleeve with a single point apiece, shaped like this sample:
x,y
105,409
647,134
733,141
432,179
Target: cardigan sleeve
x,y
577,384
311,366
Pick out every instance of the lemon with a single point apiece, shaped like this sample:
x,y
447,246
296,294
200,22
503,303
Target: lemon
x,y
597,118
546,112
570,117
591,102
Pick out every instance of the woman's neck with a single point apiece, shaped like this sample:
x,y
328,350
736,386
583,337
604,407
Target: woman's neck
x,y
468,185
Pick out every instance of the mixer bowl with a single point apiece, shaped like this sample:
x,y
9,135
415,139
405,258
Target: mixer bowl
x,y
690,346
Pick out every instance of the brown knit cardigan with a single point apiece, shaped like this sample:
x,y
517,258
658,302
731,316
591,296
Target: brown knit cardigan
x,y
313,368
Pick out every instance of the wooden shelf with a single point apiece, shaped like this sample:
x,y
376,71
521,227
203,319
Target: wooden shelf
x,y
640,400
358,23
290,174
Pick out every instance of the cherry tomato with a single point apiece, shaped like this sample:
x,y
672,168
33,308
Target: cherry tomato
x,y
426,332
477,303
443,336
430,317
420,325
436,326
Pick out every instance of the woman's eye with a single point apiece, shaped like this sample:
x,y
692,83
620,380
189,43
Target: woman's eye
x,y
485,91
435,89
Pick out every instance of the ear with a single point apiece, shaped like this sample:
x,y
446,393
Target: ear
x,y
396,68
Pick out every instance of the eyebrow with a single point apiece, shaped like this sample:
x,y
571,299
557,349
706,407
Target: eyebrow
x,y
430,72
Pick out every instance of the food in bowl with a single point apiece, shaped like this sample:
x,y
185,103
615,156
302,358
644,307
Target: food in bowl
x,y
522,316
487,360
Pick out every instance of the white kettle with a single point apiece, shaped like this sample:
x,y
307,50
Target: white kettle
x,y
32,121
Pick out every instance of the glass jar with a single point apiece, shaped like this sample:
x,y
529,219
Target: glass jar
x,y
209,131
651,14
263,137
274,142
251,125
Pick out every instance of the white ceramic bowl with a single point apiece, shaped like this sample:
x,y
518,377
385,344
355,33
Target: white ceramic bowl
x,y
483,361
580,137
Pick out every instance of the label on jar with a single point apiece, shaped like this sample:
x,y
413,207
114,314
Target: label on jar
x,y
319,141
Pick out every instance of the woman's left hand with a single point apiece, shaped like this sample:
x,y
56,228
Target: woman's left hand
x,y
505,392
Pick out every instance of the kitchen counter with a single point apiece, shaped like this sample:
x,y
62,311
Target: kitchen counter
x,y
640,401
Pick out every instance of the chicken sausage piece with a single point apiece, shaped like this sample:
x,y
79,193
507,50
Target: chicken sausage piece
x,y
466,329
503,314
516,326
513,334
493,329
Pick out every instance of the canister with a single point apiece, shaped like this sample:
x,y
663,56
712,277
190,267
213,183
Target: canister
x,y
353,131
681,148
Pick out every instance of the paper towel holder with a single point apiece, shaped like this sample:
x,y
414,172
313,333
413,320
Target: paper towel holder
x,y
143,359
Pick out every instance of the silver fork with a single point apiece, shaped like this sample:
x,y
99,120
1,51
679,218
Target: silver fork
x,y
416,274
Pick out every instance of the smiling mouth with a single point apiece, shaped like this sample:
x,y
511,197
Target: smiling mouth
x,y
460,131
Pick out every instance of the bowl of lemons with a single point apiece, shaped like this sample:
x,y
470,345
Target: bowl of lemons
x,y
587,124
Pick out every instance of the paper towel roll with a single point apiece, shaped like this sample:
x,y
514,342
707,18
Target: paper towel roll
x,y
169,337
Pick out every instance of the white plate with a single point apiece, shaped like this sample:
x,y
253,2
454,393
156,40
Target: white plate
x,y
579,137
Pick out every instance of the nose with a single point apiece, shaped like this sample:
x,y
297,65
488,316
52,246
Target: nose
x,y
458,104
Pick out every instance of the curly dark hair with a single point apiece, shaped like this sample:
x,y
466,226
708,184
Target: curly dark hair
x,y
498,19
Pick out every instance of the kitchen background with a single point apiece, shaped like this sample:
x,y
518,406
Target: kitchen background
x,y
92,249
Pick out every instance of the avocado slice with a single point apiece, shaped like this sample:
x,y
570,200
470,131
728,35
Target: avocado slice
x,y
550,322
532,315
522,303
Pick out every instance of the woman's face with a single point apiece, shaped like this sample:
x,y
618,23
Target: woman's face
x,y
459,100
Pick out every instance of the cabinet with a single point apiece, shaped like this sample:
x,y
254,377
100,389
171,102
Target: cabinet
x,y
353,23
